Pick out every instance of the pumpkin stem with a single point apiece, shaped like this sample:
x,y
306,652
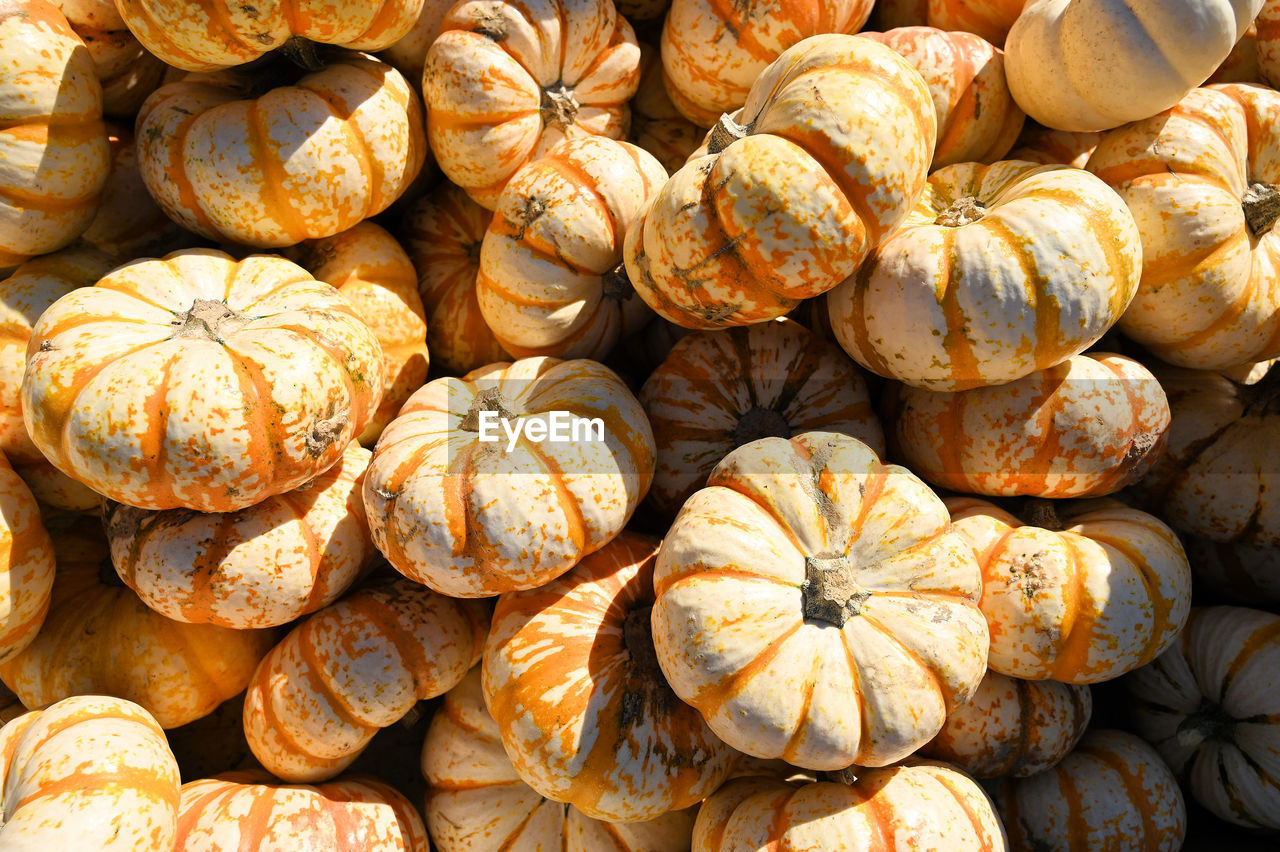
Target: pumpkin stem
x,y
559,106
208,319
725,133
1261,204
303,53
760,423
1207,723
324,431
829,592
1042,514
637,638
844,776
962,211
617,285
489,399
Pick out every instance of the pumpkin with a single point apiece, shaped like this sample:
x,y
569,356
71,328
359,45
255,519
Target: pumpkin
x,y
1211,707
409,52
1267,46
505,82
200,382
713,53
794,190
89,772
998,272
54,489
1084,428
455,503
918,805
353,668
477,802
584,713
351,814
1113,793
977,118
1097,64
551,278
656,125
126,71
1048,147
1241,64
815,605
719,390
1200,181
26,565
443,233
99,637
54,156
197,37
1013,727
300,162
372,272
1236,573
98,14
1216,479
262,566
989,19
1081,593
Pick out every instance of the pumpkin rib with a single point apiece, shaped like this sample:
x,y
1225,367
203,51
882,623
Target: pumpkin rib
x,y
715,698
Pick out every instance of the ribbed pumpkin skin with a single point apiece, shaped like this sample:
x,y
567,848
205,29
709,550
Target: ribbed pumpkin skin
x,y
1211,707
89,772
409,52
476,802
505,82
1153,53
262,566
990,19
789,540
196,36
249,810
372,272
443,233
712,53
101,14
1236,573
26,565
1268,44
977,118
1113,793
719,390
1087,427
24,296
300,162
100,638
1099,596
1210,292
656,125
1049,147
353,668
126,70
53,488
157,389
1215,479
999,271
742,234
549,280
53,146
469,519
585,716
1013,727
918,805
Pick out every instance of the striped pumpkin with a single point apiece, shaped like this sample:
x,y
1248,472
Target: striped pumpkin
x,y
656,125
998,271
127,71
990,19
1043,145
26,565
1211,707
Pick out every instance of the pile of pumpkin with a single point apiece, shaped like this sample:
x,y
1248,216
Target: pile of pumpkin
x,y
930,365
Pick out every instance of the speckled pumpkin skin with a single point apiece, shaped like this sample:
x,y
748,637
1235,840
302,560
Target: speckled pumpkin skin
x,y
570,677
353,668
1113,793
26,565
1211,707
796,188
816,605
505,82
300,162
250,810
1049,147
712,53
990,19
127,71
89,772
476,802
1083,597
918,805
262,566
157,407
470,519
998,271
196,36
1084,428
1013,727
550,280
54,156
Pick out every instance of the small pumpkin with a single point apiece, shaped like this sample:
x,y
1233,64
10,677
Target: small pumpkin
x,y
127,71
656,125
1038,144
989,19
1242,63
409,52
26,565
